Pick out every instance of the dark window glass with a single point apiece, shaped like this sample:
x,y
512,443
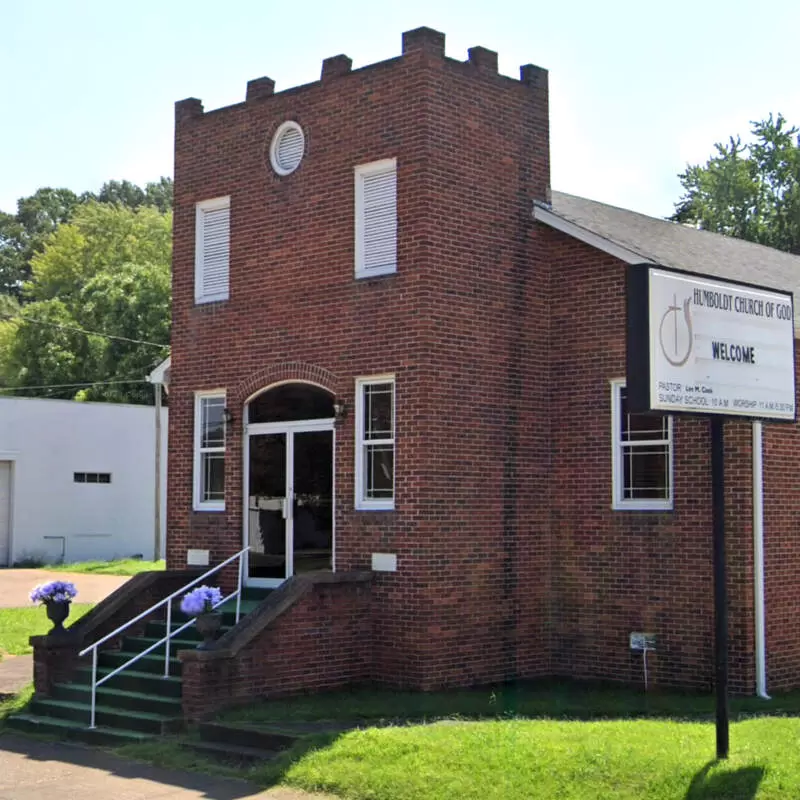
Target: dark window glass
x,y
213,466
213,422
641,427
647,473
91,477
290,403
380,472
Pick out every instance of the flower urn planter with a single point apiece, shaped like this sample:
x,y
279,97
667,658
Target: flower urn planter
x,y
57,612
208,626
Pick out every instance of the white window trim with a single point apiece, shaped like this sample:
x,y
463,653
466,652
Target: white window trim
x,y
362,503
361,172
619,501
197,503
199,222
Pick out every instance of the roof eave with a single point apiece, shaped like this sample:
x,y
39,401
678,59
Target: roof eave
x,y
548,217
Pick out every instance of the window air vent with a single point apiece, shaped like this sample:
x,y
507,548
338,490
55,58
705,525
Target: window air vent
x,y
287,148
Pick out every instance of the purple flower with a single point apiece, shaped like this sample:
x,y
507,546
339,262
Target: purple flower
x,y
201,600
54,592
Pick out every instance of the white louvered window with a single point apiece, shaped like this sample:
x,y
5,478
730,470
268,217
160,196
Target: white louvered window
x,y
376,218
287,148
212,250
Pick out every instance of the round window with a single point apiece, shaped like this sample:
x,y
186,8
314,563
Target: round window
x,y
287,148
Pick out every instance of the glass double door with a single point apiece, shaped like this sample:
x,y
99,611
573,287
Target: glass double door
x,y
289,500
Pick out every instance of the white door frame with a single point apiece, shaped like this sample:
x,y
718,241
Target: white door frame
x,y
289,429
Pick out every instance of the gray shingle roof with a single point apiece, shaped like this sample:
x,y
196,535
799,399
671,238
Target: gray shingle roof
x,y
682,247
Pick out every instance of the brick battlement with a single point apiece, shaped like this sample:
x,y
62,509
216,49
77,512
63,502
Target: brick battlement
x,y
419,45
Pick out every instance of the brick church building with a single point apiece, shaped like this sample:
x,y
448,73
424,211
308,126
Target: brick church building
x,y
398,377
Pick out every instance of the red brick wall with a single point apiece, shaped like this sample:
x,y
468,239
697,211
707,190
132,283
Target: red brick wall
x,y
321,642
614,572
503,336
781,554
451,324
483,533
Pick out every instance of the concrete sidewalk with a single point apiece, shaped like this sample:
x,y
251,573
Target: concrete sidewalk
x,y
16,672
31,769
16,585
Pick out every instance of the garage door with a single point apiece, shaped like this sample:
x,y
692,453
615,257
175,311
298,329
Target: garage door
x,y
5,511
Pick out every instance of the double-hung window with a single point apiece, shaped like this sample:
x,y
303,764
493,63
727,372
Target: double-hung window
x,y
209,451
642,456
212,250
376,218
375,443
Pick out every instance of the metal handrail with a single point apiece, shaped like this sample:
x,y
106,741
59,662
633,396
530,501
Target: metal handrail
x,y
93,648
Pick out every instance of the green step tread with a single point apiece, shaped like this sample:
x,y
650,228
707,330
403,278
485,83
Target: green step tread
x,y
133,673
190,633
68,725
128,654
74,705
223,751
153,639
143,696
174,644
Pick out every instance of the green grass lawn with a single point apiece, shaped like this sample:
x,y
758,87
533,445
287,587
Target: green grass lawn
x,y
622,759
17,624
538,740
125,566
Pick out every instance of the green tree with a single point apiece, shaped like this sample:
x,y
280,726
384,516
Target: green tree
x,y
43,353
108,271
131,301
23,234
99,237
159,194
124,193
750,191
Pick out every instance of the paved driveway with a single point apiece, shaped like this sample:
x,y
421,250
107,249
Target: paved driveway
x,y
32,770
16,584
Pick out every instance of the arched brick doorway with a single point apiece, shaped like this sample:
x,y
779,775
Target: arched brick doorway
x,y
288,482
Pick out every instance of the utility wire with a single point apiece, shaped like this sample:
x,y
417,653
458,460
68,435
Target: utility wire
x,y
66,385
18,318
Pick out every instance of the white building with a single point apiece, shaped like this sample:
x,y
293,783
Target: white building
x,y
78,480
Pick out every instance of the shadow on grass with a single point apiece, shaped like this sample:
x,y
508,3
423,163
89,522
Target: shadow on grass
x,y
739,784
546,699
273,772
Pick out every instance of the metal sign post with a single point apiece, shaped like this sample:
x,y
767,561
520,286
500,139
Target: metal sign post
x,y
719,349
720,584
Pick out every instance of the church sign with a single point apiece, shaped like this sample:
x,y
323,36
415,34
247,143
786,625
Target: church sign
x,y
701,345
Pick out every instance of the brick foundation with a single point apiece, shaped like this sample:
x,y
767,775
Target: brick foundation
x,y
312,634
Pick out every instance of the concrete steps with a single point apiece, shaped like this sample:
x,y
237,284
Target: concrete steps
x,y
138,703
234,744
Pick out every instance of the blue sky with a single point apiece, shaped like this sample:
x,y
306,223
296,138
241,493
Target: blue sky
x,y
637,89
